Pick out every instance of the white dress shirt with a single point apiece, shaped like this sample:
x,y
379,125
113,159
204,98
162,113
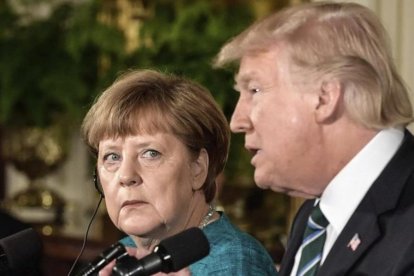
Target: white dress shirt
x,y
344,193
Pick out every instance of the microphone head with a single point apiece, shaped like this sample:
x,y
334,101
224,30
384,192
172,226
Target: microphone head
x,y
185,248
114,251
22,250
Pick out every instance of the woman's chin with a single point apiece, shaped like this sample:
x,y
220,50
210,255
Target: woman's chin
x,y
140,228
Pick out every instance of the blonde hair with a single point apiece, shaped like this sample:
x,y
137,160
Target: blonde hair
x,y
149,101
343,40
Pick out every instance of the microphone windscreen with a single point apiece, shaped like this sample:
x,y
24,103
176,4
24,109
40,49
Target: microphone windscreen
x,y
22,249
186,247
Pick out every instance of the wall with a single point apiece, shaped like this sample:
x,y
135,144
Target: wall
x,y
73,181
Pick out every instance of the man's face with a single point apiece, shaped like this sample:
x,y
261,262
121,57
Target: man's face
x,y
275,111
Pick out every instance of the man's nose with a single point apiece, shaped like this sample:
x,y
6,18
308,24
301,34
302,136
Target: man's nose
x,y
240,121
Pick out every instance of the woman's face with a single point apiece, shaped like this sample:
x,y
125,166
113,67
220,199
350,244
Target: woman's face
x,y
149,183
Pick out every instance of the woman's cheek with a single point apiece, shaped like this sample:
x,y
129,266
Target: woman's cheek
x,y
113,211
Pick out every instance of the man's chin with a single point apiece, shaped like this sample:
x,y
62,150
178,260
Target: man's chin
x,y
262,185
293,193
284,190
266,183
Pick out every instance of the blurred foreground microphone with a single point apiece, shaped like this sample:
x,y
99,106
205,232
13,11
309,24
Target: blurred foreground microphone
x,y
20,253
103,259
171,255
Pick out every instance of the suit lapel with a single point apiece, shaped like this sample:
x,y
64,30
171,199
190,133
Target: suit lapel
x,y
362,225
365,222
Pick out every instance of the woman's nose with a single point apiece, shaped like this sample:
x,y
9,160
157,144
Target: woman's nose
x,y
128,175
128,180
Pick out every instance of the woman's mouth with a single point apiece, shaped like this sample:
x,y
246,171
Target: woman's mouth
x,y
133,203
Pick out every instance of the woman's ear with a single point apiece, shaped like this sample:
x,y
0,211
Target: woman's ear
x,y
330,98
199,168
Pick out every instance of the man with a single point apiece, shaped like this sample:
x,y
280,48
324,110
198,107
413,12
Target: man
x,y
324,113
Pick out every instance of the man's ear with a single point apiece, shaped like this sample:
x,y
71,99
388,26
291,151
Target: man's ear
x,y
199,169
329,101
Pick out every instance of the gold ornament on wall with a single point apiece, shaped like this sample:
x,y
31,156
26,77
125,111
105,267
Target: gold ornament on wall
x,y
36,152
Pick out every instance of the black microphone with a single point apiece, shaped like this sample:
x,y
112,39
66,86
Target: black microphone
x,y
20,253
113,252
171,255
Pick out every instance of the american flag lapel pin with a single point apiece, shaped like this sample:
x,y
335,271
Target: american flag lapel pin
x,y
354,242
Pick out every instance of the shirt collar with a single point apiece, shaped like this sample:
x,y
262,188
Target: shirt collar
x,y
344,193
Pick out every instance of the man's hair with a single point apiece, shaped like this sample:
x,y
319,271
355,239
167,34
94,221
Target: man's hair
x,y
345,41
147,101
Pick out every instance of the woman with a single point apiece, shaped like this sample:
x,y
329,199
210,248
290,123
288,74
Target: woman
x,y
161,141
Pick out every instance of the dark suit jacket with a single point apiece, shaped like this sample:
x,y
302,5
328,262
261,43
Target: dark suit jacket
x,y
384,221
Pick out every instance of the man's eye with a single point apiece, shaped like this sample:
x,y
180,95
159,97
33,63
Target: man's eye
x,y
151,154
254,90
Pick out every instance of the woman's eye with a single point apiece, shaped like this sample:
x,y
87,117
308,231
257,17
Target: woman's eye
x,y
112,157
151,154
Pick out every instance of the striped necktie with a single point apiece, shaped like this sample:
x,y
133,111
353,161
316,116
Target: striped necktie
x,y
313,242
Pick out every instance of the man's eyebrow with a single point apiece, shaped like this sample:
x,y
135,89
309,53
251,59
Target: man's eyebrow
x,y
239,84
246,77
241,80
